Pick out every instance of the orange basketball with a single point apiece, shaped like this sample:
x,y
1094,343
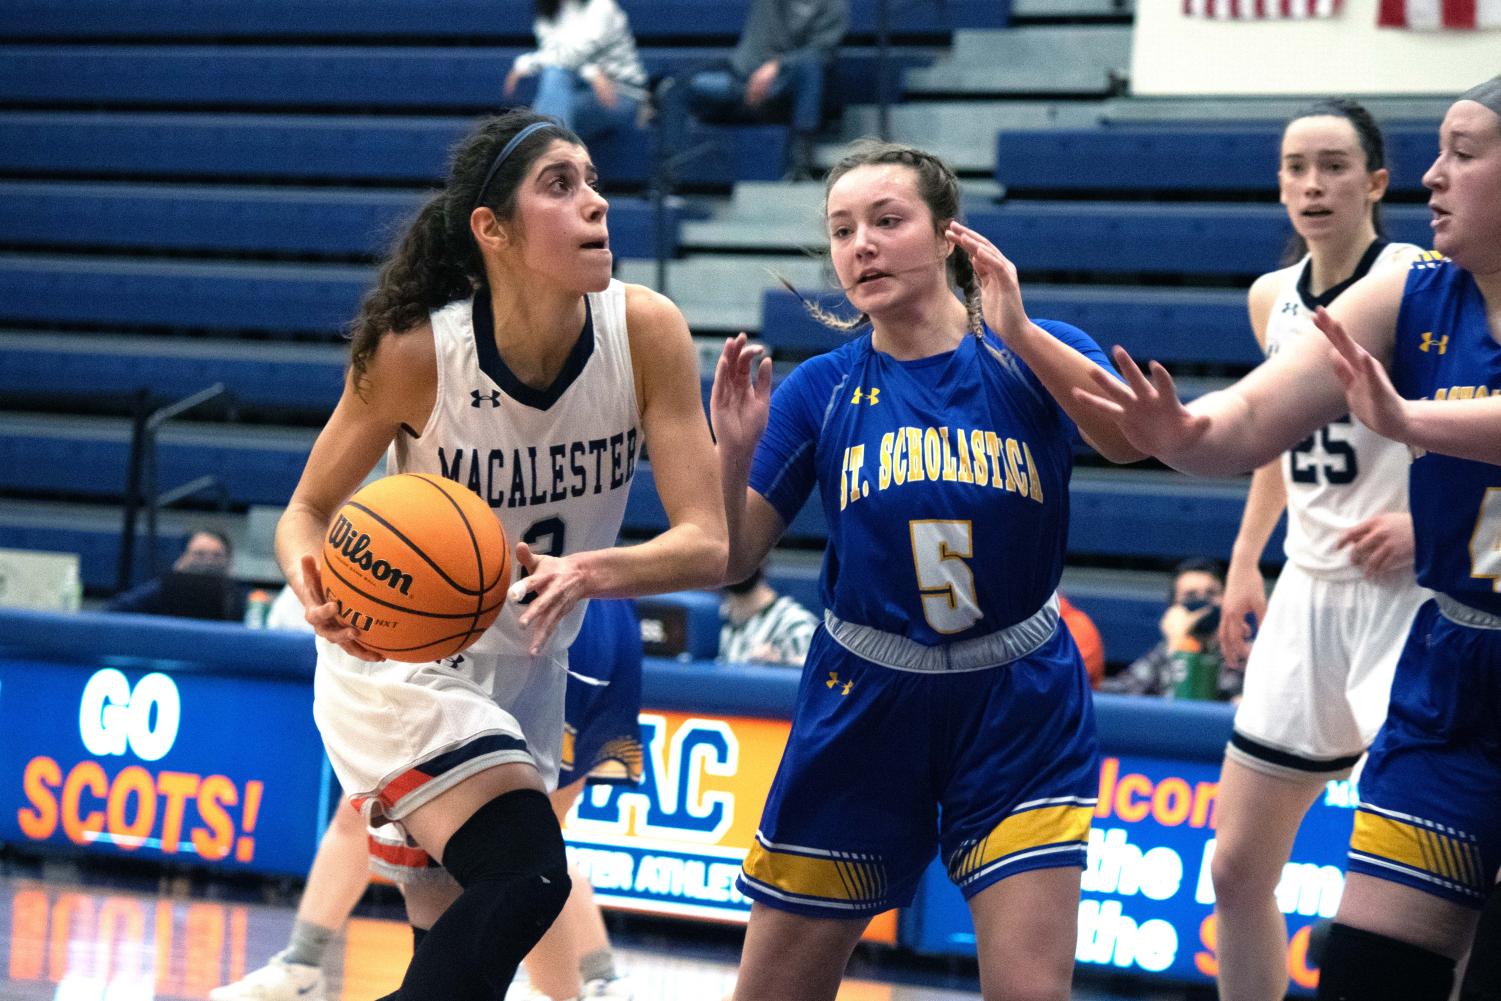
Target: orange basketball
x,y
418,564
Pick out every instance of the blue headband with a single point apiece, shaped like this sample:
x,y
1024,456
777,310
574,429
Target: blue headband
x,y
506,151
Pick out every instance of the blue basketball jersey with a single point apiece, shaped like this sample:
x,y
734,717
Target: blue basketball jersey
x,y
1444,351
944,482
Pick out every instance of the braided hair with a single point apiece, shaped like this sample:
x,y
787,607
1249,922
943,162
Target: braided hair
x,y
436,260
938,187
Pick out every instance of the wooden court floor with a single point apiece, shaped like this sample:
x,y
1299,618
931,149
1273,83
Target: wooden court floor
x,y
70,934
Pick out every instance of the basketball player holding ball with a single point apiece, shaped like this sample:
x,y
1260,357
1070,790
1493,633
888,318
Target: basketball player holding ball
x,y
497,351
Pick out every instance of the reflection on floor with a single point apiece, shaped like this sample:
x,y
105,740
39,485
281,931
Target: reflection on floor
x,y
82,938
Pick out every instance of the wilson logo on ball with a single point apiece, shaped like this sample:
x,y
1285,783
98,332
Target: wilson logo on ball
x,y
354,546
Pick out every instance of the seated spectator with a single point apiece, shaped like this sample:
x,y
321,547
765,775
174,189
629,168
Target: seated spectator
x,y
776,72
1189,629
1086,637
763,627
197,587
590,77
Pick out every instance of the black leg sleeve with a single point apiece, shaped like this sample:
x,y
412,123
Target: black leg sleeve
x,y
509,859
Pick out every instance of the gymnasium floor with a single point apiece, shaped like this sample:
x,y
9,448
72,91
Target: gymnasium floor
x,y
70,933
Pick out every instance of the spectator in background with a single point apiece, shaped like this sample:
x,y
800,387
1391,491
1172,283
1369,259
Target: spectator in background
x,y
1189,628
590,77
197,586
1086,637
763,627
777,72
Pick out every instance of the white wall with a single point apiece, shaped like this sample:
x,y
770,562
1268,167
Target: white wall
x,y
1172,54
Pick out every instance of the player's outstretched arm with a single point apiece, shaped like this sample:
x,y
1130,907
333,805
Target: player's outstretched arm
x,y
1468,429
1273,408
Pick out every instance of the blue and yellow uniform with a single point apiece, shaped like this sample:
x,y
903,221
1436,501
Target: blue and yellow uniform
x,y
601,714
1430,813
941,703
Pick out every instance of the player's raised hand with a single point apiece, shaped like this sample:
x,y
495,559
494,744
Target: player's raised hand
x,y
741,397
1000,292
1147,411
322,614
1368,389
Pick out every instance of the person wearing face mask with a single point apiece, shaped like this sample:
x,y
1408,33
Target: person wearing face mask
x,y
1186,663
762,626
197,587
943,704
1415,355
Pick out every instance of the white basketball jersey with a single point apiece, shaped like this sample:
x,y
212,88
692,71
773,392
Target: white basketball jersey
x,y
556,464
1344,472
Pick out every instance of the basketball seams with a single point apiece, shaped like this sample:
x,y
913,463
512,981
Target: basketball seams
x,y
479,557
417,550
404,609
401,502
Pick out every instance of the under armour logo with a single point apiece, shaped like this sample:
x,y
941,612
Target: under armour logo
x,y
834,682
1290,307
1429,341
493,398
454,661
873,397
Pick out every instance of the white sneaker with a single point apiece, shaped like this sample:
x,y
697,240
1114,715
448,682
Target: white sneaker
x,y
276,981
618,989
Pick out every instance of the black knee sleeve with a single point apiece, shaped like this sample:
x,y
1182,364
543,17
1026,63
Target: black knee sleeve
x,y
512,835
509,859
1364,966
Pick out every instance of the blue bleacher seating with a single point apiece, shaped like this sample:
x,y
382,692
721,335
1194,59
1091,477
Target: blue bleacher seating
x,y
324,221
1186,157
306,378
1197,238
428,78
469,20
338,148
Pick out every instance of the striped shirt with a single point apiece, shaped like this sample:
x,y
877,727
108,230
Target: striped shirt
x,y
777,634
589,37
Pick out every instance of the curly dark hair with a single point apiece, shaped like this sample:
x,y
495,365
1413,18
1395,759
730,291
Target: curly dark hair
x,y
1372,144
938,186
436,260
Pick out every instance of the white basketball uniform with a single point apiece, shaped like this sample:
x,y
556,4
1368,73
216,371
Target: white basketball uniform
x,y
1320,672
556,466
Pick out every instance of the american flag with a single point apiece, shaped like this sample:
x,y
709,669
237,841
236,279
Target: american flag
x,y
1262,10
1440,14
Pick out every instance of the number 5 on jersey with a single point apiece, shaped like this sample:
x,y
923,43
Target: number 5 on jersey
x,y
939,549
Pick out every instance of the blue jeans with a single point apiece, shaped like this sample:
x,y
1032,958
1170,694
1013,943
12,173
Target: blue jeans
x,y
795,95
570,99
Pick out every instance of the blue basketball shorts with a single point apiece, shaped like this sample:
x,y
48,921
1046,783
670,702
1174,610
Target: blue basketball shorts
x,y
1430,795
601,713
997,768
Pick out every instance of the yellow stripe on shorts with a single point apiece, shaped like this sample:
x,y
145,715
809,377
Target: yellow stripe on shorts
x,y
1046,825
857,878
1416,846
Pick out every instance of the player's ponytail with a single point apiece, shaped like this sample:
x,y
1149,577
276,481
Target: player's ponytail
x,y
435,260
